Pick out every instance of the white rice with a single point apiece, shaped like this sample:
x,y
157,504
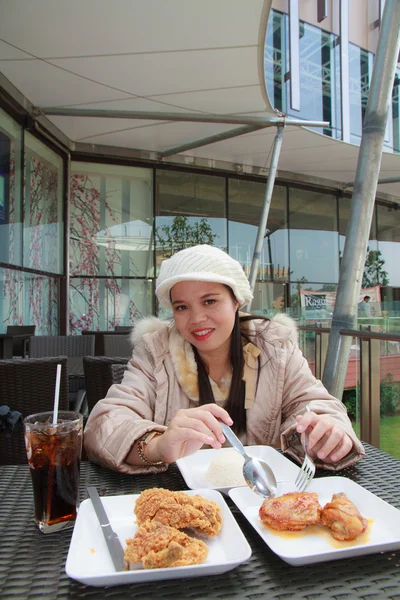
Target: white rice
x,y
226,470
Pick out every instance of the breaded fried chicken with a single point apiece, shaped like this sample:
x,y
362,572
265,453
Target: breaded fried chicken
x,y
179,510
158,546
343,518
291,512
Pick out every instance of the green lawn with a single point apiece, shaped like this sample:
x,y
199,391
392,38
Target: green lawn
x,y
390,434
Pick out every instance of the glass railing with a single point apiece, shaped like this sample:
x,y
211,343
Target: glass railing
x,y
372,385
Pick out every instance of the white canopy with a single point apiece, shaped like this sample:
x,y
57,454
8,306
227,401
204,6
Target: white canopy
x,y
163,56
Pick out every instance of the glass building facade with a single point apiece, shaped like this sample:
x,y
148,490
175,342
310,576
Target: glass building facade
x,y
31,229
81,242
320,91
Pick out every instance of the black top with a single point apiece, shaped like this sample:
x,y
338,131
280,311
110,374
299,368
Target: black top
x,y
32,565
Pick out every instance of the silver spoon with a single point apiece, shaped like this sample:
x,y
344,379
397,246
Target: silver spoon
x,y
258,475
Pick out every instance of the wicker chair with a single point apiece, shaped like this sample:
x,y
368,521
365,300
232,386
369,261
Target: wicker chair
x,y
68,345
23,334
27,386
117,345
99,340
117,372
75,347
98,376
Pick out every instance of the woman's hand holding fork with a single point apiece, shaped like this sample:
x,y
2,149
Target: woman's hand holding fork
x,y
326,439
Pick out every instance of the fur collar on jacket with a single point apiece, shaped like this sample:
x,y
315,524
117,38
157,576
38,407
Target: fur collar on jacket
x,y
282,328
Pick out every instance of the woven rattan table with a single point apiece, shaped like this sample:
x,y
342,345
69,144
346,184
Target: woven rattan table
x,y
33,565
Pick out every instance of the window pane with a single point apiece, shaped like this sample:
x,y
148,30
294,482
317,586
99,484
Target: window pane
x,y
388,258
313,237
396,112
10,191
101,304
190,211
246,200
29,299
274,59
359,74
269,298
43,220
318,59
319,65
111,220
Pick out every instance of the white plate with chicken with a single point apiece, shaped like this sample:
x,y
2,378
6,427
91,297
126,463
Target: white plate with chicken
x,y
335,518
165,535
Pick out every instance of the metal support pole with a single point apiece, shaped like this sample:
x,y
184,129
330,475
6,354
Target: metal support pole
x,y
267,203
265,121
362,203
212,139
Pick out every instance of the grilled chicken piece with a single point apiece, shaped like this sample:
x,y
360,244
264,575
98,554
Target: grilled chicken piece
x,y
291,512
343,518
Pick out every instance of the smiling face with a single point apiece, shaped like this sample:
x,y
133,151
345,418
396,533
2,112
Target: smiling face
x,y
204,313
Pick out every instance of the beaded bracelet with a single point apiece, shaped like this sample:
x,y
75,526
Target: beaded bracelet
x,y
141,444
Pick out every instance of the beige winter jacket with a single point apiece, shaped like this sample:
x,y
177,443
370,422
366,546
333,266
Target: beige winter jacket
x,y
162,378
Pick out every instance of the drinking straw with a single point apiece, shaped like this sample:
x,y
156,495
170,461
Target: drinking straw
x,y
57,395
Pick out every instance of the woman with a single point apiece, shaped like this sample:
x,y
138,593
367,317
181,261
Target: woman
x,y
212,364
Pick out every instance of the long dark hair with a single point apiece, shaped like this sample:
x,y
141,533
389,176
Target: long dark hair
x,y
234,404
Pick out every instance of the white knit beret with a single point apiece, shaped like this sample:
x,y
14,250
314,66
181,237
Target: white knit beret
x,y
202,263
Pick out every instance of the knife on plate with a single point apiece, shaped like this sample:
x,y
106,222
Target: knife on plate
x,y
113,543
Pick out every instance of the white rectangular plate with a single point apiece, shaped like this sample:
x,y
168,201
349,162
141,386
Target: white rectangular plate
x,y
90,563
313,545
194,467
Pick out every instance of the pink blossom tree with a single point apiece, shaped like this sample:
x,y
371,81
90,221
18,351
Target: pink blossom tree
x,y
85,255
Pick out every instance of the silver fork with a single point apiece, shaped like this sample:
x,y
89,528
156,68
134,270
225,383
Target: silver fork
x,y
307,471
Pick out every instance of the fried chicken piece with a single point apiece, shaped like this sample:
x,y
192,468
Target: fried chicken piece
x,y
158,546
343,518
291,512
179,510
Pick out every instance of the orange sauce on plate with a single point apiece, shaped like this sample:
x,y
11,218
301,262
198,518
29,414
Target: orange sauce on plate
x,y
324,532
